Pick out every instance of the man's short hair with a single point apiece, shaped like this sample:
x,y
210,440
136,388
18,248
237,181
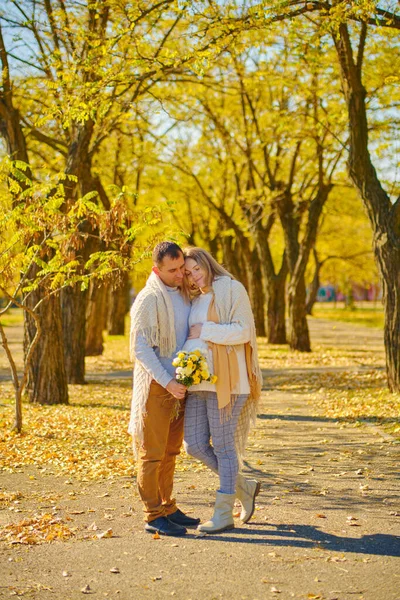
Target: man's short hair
x,y
164,249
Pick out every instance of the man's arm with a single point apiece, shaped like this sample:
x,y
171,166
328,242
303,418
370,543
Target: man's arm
x,y
148,358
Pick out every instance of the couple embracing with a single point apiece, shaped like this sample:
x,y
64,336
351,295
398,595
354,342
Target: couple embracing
x,y
189,303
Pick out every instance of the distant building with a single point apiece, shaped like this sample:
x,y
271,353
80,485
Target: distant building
x,y
359,292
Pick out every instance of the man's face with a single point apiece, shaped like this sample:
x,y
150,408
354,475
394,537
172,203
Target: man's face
x,y
171,271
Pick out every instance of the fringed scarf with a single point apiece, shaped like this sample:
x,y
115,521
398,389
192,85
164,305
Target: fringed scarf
x,y
152,316
230,304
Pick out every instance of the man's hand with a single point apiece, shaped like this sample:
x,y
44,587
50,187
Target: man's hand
x,y
176,389
195,331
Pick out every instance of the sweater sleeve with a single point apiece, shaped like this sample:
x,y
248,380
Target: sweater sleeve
x,y
148,358
226,334
237,331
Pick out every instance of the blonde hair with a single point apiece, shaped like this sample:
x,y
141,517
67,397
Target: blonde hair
x,y
207,262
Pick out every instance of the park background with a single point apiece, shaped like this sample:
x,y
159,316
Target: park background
x,y
264,132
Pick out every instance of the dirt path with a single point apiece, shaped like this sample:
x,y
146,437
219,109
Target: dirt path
x,y
327,524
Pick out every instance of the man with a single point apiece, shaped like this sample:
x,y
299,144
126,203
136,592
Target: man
x,y
159,328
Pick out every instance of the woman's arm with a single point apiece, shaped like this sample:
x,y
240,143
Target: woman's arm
x,y
238,330
229,334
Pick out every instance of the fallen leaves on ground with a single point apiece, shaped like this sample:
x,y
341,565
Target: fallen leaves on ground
x,y
362,403
105,534
40,529
87,439
274,356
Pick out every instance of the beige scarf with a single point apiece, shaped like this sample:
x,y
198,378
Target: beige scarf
x,y
152,316
225,366
230,304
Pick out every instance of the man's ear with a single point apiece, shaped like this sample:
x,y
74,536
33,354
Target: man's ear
x,y
155,270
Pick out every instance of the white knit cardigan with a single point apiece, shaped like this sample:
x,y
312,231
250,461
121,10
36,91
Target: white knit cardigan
x,y
152,316
233,306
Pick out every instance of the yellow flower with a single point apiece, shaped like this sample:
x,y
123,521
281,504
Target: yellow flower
x,y
181,355
197,353
213,378
175,362
205,374
196,379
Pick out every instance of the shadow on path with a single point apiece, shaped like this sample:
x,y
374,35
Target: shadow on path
x,y
307,536
320,419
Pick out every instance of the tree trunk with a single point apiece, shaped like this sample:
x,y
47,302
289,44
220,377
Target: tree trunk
x,y
256,293
73,300
392,320
383,215
118,307
273,286
47,380
96,318
315,285
299,337
276,308
297,256
230,257
249,266
73,306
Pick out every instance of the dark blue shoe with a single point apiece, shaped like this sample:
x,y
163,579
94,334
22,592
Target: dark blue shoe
x,y
163,526
179,518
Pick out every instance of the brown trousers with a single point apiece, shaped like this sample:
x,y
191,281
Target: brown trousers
x,y
162,441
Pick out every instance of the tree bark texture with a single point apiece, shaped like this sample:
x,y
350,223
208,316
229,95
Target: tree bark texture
x,y
298,327
383,215
391,278
118,307
299,338
73,300
276,309
231,258
96,318
314,286
250,269
297,255
256,293
73,306
274,287
47,379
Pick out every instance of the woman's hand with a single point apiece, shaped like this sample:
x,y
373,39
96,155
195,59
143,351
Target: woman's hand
x,y
195,331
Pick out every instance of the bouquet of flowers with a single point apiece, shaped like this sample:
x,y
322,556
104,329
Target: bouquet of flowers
x,y
192,368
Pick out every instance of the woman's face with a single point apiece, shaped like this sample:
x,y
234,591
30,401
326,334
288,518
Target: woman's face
x,y
196,275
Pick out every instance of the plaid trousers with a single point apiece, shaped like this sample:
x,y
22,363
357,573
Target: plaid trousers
x,y
210,440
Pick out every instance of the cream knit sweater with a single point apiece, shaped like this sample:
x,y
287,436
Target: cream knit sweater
x,y
152,316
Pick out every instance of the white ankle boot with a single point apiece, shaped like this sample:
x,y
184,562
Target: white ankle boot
x,y
222,518
246,491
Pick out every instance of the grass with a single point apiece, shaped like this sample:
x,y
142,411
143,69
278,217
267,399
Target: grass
x,y
12,318
368,314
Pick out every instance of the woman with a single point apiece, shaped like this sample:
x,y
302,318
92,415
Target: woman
x,y
222,326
